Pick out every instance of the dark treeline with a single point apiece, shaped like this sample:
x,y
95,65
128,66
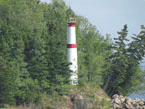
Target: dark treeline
x,y
33,63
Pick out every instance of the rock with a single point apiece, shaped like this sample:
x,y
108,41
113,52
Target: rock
x,y
143,107
116,106
141,103
140,107
127,106
79,102
136,100
112,101
123,102
134,103
117,100
115,96
78,97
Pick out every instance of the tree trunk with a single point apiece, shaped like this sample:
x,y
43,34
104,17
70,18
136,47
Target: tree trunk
x,y
107,82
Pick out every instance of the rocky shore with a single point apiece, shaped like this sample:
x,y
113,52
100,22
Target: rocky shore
x,y
117,101
123,102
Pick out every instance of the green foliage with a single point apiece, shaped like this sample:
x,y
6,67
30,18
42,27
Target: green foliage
x,y
92,49
124,75
33,38
7,88
30,65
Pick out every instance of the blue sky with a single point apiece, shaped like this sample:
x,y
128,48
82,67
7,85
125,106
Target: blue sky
x,y
109,16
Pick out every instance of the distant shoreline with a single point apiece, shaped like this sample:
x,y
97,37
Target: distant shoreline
x,y
134,95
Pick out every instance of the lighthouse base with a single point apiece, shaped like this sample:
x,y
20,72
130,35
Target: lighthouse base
x,y
74,79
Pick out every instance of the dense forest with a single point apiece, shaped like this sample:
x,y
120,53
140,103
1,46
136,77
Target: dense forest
x,y
33,63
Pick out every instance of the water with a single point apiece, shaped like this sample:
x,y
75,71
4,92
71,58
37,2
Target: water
x,y
137,96
134,95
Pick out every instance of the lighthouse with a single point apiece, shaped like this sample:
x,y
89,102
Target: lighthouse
x,y
72,51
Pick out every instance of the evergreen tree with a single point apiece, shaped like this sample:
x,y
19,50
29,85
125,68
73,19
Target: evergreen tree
x,y
92,52
124,67
14,32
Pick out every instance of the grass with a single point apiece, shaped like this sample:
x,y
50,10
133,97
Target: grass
x,y
94,97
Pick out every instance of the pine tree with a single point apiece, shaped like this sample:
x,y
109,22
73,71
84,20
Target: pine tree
x,y
92,51
8,69
124,67
119,64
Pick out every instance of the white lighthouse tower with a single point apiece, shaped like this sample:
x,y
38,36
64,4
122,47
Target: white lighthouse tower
x,y
72,51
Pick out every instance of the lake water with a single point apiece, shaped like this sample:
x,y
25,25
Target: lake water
x,y
134,95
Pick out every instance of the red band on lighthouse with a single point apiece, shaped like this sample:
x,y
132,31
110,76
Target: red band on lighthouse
x,y
71,45
72,24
